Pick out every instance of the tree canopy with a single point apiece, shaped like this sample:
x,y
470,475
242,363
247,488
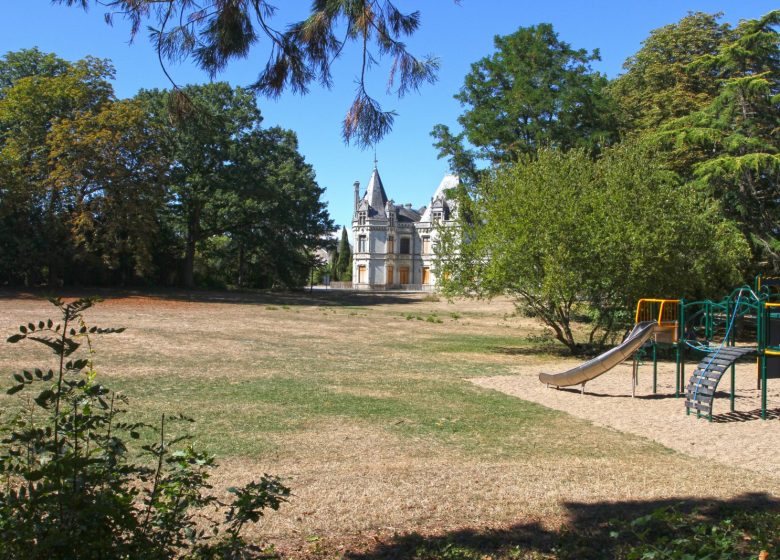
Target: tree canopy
x,y
567,236
95,190
674,193
659,82
730,148
535,91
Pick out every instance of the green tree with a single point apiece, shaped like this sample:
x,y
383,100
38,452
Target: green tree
x,y
29,62
535,91
566,236
199,148
344,263
215,32
730,148
275,217
659,83
34,245
244,200
112,177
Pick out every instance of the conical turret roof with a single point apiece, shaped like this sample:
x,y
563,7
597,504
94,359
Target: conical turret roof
x,y
375,195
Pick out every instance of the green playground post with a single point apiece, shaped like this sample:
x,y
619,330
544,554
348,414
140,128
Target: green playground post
x,y
763,386
733,366
763,315
655,369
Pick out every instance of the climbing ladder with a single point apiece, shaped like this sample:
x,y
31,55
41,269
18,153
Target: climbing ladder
x,y
700,391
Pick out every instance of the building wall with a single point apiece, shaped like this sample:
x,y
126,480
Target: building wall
x,y
376,258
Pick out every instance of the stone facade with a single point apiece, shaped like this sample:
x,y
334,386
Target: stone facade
x,y
393,244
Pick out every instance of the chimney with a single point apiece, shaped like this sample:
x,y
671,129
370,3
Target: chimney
x,y
408,205
357,190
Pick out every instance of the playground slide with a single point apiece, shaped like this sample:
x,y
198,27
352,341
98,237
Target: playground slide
x,y
605,362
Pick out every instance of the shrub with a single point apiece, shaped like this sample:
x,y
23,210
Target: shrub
x,y
70,486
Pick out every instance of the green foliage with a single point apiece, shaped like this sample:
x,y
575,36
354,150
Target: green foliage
x,y
35,244
343,265
671,534
535,91
729,148
101,191
216,32
69,487
613,231
659,82
26,63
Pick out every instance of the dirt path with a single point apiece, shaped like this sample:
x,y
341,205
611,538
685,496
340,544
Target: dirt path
x,y
740,439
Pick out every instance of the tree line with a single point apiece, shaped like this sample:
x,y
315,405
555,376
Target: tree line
x,y
170,187
581,194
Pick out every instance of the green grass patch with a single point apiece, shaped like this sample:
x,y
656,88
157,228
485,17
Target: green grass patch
x,y
457,342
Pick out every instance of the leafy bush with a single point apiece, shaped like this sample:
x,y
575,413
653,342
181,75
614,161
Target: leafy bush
x,y
70,487
670,534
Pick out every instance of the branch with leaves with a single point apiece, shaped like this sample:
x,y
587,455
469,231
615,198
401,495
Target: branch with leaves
x,y
215,32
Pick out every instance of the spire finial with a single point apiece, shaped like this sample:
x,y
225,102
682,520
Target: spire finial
x,y
375,160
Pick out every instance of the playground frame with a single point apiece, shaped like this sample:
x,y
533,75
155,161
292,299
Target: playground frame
x,y
708,326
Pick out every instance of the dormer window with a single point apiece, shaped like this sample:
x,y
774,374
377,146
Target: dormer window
x,y
437,217
361,218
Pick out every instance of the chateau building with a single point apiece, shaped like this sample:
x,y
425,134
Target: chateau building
x,y
393,244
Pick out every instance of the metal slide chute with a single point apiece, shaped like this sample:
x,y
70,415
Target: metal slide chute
x,y
606,361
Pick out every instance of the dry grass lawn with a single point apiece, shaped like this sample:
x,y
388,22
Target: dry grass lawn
x,y
365,404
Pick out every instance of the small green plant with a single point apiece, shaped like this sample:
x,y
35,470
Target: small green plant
x,y
70,486
433,318
455,316
669,533
431,298
271,307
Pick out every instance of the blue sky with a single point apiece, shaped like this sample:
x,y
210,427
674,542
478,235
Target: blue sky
x,y
458,33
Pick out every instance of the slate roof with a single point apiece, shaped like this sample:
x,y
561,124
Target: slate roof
x,y
440,199
376,196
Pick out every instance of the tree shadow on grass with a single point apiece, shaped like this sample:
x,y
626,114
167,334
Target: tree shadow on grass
x,y
589,532
326,298
555,350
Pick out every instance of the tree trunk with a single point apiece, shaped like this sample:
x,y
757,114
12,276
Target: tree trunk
x,y
53,247
240,265
193,235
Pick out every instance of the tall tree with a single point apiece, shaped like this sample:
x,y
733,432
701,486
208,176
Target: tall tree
x,y
200,147
31,206
244,201
535,91
275,216
730,148
344,264
659,83
215,32
112,177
